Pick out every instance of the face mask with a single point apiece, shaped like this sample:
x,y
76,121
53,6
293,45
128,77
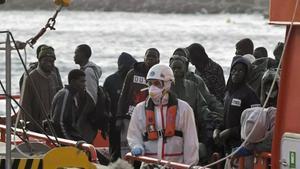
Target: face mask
x,y
155,93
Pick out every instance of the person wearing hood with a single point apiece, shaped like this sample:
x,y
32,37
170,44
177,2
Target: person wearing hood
x,y
39,89
92,71
238,97
210,71
256,71
188,91
163,126
213,103
113,85
132,94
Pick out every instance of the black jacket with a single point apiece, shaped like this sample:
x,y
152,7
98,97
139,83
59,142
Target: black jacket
x,y
71,114
131,93
113,83
238,97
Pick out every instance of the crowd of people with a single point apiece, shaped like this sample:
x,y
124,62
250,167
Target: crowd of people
x,y
156,110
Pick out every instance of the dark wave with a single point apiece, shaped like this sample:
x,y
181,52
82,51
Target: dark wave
x,y
156,6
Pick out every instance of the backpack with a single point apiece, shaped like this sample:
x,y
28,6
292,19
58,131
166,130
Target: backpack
x,y
101,113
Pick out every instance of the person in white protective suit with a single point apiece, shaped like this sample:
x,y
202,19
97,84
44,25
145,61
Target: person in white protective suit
x,y
163,126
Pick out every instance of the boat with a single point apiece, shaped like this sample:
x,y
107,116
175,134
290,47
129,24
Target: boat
x,y
286,140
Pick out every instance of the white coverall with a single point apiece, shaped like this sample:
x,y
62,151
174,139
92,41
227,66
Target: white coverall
x,y
176,149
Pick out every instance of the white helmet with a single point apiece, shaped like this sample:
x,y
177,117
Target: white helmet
x,y
160,72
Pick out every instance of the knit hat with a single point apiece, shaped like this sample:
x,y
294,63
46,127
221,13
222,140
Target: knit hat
x,y
46,51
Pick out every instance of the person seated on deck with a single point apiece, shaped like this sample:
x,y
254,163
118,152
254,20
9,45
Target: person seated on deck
x,y
39,89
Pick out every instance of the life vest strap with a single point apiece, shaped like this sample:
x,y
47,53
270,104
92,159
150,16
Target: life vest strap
x,y
160,133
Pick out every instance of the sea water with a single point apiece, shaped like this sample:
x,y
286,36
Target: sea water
x,y
111,33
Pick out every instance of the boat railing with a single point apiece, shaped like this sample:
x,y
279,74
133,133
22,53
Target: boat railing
x,y
260,161
42,138
149,160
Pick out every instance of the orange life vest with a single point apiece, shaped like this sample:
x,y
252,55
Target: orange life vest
x,y
169,130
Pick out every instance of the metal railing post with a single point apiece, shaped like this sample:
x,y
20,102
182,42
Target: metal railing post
x,y
8,101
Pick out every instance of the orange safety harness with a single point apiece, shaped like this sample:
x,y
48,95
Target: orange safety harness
x,y
151,132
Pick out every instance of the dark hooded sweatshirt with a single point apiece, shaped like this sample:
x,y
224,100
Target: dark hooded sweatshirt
x,y
238,97
131,92
113,83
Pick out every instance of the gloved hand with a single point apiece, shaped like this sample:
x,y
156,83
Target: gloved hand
x,y
136,151
224,135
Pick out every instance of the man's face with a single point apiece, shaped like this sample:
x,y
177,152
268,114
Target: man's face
x,y
79,56
47,64
178,68
79,83
151,60
238,73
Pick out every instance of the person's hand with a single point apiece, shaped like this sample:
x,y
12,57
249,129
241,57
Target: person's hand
x,y
216,136
224,135
119,124
136,151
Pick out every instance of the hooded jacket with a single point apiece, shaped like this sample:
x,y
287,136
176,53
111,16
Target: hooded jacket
x,y
131,92
238,97
113,83
188,91
93,73
213,103
213,76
